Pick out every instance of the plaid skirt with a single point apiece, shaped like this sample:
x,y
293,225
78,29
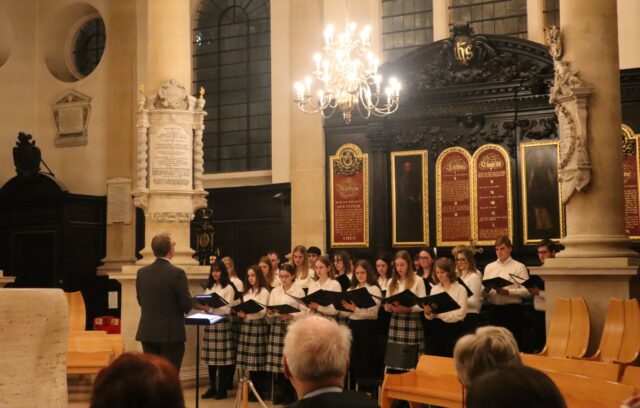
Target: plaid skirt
x,y
218,349
406,328
276,344
252,345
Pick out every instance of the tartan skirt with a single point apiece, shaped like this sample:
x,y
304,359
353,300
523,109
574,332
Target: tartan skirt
x,y
406,328
276,345
218,349
252,345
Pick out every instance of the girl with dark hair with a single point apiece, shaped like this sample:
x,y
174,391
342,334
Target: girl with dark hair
x,y
304,274
363,324
405,326
426,263
279,323
254,332
384,270
268,272
342,264
218,352
471,276
446,327
325,281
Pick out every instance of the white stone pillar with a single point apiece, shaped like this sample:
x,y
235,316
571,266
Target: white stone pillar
x,y
440,19
535,20
597,262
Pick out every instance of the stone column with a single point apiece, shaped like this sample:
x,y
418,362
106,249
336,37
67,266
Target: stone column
x,y
169,164
597,262
308,215
535,20
121,236
440,20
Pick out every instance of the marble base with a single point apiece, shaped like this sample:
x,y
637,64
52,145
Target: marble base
x,y
130,312
33,372
597,280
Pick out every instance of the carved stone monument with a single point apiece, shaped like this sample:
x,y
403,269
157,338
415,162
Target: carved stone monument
x,y
168,187
170,165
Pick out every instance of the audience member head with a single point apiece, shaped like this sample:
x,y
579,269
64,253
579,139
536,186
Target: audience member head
x,y
546,249
163,246
218,274
465,261
363,273
342,262
445,270
514,386
316,353
313,253
503,248
490,347
137,381
324,267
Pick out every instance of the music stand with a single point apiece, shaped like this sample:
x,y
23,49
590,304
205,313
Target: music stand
x,y
200,319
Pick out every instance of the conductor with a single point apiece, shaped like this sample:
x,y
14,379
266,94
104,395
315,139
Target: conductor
x,y
163,296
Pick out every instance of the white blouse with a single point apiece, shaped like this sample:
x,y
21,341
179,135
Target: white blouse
x,y
370,313
261,297
330,285
279,297
306,282
276,279
473,280
383,282
459,294
226,293
418,289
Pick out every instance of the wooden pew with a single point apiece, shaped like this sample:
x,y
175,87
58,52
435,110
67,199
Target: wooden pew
x,y
568,334
88,354
591,369
434,381
631,376
612,333
580,391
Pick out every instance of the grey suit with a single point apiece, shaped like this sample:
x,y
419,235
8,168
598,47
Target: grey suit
x,y
163,296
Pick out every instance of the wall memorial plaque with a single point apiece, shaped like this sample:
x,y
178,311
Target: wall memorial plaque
x,y
453,197
542,210
492,214
119,201
171,157
409,202
349,191
631,180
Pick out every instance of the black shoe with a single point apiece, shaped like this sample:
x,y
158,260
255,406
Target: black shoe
x,y
221,395
210,393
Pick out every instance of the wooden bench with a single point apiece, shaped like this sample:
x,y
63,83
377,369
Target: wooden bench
x,y
568,334
631,376
580,391
591,369
434,381
88,354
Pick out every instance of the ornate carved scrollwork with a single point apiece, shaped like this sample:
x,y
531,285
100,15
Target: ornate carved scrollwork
x,y
569,94
170,216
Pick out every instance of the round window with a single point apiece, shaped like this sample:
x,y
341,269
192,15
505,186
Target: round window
x,y
88,46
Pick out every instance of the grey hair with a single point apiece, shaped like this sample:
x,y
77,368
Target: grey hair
x,y
489,348
317,349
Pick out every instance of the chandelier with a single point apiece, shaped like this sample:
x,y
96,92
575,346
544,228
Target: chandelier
x,y
348,75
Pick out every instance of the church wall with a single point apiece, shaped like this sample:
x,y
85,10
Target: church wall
x,y
30,89
628,33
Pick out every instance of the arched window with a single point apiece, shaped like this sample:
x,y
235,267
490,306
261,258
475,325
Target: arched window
x,y
232,61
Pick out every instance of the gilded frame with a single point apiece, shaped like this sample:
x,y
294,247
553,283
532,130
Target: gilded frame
x,y
424,183
628,133
365,176
439,241
524,148
474,203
